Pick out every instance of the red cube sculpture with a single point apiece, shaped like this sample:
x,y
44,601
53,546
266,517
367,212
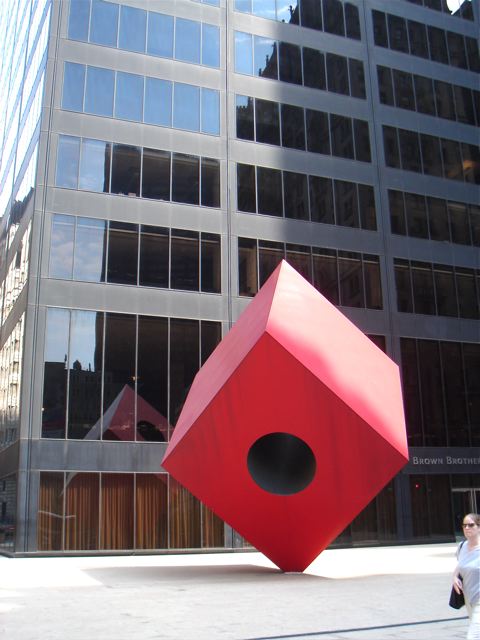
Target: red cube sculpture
x,y
293,425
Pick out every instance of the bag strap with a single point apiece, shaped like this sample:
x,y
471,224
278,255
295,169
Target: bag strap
x,y
459,548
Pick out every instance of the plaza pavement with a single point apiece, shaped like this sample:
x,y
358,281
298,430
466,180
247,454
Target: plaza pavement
x,y
350,594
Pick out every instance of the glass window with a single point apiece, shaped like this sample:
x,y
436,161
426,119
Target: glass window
x,y
318,132
269,186
333,17
54,405
424,95
456,50
438,45
270,254
245,122
152,378
68,157
288,11
444,100
160,35
187,40
410,150
243,53
445,292
122,253
459,223
210,180
385,85
472,54
471,163
246,198
438,219
78,20
423,289
397,212
411,389
342,136
186,107
467,293
99,91
154,260
210,45
325,273
380,28
85,375
403,285
351,279
73,86
184,363
295,194
265,59
90,248
431,155
185,256
418,39
357,79
264,9
243,5
390,143
432,398
337,74
475,224
452,159
185,178
404,98
267,121
156,174
314,69
454,393
397,33
50,511
415,208
247,267
116,509
119,376
311,14
104,23
158,102
95,166
210,111
366,197
129,97
210,267
464,106
61,247
133,27
373,284
126,170
298,256
346,204
352,21
293,127
290,63
82,506
184,508
321,200
362,140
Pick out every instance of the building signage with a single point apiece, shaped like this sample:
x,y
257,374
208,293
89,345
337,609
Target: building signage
x,y
443,460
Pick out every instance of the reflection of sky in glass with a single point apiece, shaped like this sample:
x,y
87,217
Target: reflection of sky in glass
x,y
83,339
264,9
186,110
89,250
129,96
264,48
92,165
210,45
243,53
158,102
160,35
283,9
210,111
61,247
187,40
56,338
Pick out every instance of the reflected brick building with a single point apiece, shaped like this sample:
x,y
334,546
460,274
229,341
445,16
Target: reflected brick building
x,y
158,161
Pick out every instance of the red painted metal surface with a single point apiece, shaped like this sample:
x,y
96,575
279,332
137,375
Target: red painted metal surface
x,y
291,364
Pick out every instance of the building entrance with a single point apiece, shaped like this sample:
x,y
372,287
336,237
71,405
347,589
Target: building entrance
x,y
464,501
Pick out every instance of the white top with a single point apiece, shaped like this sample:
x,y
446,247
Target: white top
x,y
469,568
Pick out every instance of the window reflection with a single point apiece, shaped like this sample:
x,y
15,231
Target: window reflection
x,y
104,23
99,91
129,97
187,40
90,250
132,29
95,166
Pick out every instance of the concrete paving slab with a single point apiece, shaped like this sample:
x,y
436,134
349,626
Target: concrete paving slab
x,y
372,593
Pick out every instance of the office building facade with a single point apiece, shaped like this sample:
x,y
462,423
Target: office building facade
x,y
158,160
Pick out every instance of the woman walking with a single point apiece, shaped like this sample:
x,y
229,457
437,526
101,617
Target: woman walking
x,y
466,577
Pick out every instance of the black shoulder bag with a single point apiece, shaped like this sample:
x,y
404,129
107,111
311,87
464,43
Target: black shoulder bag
x,y
457,600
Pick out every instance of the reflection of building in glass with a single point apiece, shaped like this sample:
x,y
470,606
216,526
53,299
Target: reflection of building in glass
x,y
153,207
